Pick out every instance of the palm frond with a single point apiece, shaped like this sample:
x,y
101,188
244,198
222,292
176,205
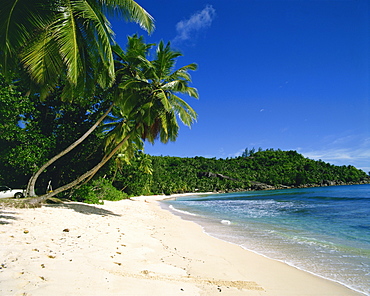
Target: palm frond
x,y
20,20
131,11
186,114
161,95
172,131
98,34
165,59
164,124
183,72
42,60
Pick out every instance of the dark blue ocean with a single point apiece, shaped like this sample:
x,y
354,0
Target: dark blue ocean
x,y
322,230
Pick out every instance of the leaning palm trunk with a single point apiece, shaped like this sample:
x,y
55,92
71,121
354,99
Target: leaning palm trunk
x,y
80,179
92,174
32,182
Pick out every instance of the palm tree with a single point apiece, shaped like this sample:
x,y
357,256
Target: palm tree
x,y
148,91
70,40
148,103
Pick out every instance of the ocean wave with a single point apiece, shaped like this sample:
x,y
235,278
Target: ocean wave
x,y
182,212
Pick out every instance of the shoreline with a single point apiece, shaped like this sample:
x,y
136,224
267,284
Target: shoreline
x,y
134,247
184,215
187,216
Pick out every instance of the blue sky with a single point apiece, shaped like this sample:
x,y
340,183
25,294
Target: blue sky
x,y
291,74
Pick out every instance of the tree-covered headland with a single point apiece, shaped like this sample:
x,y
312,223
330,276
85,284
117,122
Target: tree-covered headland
x,y
254,170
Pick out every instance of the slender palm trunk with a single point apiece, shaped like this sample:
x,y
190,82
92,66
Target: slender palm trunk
x,y
32,181
93,174
93,171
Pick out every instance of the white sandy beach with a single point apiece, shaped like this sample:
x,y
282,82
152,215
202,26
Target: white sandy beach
x,y
133,247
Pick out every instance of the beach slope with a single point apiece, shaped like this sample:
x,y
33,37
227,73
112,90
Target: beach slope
x,y
133,247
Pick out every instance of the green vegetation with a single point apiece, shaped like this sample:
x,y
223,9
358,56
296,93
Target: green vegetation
x,y
32,131
65,51
268,169
142,105
67,40
96,192
63,47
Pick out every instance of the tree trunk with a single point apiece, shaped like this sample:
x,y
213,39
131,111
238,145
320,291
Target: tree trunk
x,y
93,171
32,181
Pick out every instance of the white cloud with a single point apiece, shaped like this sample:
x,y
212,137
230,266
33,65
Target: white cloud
x,y
349,149
197,22
358,157
237,154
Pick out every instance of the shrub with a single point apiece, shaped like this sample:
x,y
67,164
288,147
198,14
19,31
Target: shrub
x,y
96,191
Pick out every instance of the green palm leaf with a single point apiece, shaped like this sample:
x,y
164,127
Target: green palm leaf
x,y
186,114
19,20
98,32
79,28
131,11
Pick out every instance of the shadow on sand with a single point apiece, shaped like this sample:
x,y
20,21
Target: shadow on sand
x,y
83,209
7,216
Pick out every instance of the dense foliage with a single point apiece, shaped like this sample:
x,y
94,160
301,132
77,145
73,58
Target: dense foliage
x,y
69,39
97,191
63,50
279,169
32,131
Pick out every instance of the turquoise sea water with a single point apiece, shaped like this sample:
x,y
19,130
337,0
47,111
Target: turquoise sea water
x,y
325,230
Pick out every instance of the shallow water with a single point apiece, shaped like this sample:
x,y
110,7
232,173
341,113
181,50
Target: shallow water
x,y
325,231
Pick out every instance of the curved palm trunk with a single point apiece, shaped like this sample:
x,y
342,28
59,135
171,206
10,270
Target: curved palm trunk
x,y
32,181
90,177
93,171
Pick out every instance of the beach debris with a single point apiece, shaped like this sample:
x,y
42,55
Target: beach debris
x,y
51,256
26,231
43,265
66,230
118,263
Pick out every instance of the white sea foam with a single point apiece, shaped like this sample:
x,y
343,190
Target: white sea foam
x,y
226,222
182,212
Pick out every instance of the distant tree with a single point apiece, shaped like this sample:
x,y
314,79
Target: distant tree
x,y
249,153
